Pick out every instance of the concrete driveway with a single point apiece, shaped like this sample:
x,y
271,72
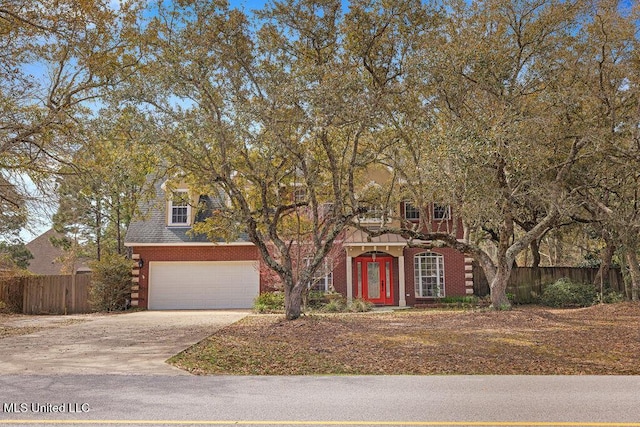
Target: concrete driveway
x,y
128,343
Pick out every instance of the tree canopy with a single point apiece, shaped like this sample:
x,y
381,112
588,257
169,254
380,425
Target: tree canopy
x,y
57,58
520,115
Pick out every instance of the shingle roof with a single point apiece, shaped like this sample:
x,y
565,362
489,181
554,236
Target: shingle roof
x,y
151,227
47,258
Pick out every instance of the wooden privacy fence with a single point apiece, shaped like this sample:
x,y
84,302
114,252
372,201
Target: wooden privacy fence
x,y
525,284
63,294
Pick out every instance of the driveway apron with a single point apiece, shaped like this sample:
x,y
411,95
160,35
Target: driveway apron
x,y
136,343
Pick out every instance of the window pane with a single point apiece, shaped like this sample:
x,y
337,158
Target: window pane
x,y
373,280
410,211
180,208
441,211
179,215
323,277
387,283
429,275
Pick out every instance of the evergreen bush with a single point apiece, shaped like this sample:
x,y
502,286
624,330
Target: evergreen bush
x,y
565,293
110,283
269,301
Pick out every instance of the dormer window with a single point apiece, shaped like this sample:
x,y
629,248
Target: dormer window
x,y
180,209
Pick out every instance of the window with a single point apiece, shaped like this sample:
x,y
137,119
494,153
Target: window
x,y
429,275
441,212
325,210
299,195
323,278
411,212
180,210
371,214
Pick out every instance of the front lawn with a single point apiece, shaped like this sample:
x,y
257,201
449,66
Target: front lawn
x,y
601,340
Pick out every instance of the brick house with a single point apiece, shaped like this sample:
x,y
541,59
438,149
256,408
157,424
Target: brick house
x,y
177,269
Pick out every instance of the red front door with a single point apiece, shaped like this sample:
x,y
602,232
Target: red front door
x,y
376,278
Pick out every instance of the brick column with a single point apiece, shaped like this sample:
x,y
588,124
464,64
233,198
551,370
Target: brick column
x,y
468,275
135,280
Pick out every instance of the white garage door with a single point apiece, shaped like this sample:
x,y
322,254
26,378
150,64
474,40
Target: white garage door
x,y
203,285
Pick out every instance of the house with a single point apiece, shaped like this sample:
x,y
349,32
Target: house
x,y
385,270
49,259
175,268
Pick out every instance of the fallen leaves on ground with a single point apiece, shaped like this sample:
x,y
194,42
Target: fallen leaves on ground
x,y
602,340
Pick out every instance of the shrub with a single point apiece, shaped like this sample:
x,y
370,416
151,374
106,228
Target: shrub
x,y
316,299
612,297
359,305
565,293
335,305
110,283
269,301
462,300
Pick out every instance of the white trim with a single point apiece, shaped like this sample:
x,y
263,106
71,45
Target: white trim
x,y
129,245
170,208
402,286
323,278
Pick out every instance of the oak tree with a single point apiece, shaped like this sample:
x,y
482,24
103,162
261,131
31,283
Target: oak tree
x,y
269,111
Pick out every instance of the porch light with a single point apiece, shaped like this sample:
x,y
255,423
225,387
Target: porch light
x,y
140,263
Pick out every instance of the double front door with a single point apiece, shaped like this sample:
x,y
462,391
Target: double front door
x,y
375,279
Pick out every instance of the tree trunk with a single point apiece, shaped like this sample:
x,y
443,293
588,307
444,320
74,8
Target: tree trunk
x,y
498,286
605,262
118,225
535,253
535,265
293,300
634,272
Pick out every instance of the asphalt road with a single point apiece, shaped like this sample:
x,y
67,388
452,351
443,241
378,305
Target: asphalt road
x,y
28,400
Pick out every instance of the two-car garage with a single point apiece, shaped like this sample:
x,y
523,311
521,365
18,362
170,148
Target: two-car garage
x,y
194,285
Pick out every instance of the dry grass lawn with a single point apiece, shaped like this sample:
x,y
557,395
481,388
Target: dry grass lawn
x,y
603,340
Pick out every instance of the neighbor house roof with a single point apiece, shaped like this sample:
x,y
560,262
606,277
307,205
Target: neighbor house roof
x,y
47,258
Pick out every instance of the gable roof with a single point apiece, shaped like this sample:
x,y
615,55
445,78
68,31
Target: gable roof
x,y
150,228
47,257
